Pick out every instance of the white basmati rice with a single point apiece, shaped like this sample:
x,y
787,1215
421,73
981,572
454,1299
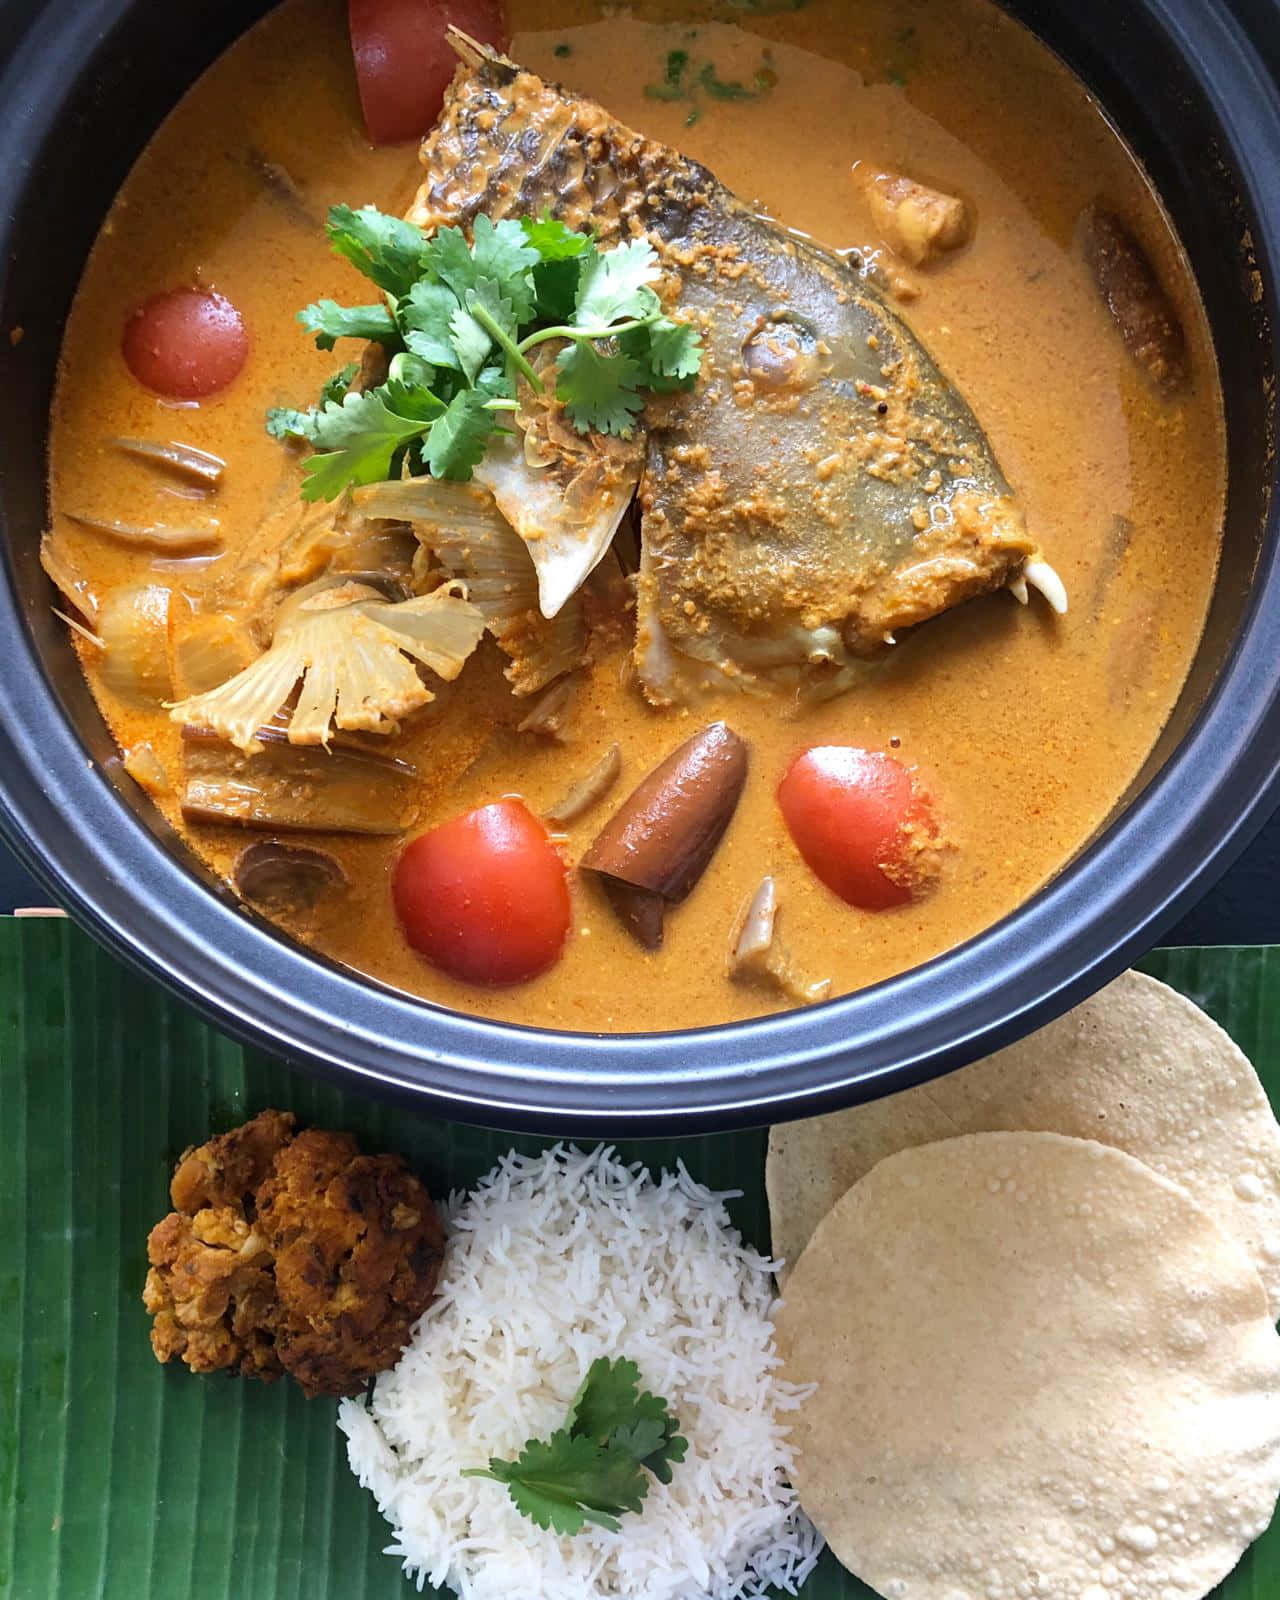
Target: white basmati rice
x,y
553,1261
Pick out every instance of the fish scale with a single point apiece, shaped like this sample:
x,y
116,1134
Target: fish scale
x,y
823,486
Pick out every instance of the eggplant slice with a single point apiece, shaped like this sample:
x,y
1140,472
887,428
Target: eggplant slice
x,y
659,842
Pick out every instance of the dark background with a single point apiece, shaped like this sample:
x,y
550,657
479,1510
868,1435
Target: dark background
x,y
1244,908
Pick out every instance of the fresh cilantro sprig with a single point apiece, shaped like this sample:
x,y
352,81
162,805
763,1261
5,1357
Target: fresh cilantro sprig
x,y
460,321
594,1468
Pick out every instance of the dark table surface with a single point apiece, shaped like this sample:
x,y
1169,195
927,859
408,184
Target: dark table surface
x,y
1243,908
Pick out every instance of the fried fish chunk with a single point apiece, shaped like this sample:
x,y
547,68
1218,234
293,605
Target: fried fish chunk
x,y
823,486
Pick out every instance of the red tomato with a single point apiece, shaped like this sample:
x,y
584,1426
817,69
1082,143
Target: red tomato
x,y
185,344
484,897
404,62
863,825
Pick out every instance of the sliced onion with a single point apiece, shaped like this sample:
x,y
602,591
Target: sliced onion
x,y
756,955
588,791
133,624
62,574
552,712
183,459
173,541
209,648
86,634
143,766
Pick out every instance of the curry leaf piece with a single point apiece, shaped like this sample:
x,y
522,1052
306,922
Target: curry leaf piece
x,y
359,438
599,390
330,322
503,254
555,240
458,437
614,285
425,314
562,1483
386,249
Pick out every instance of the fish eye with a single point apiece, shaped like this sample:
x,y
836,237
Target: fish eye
x,y
781,354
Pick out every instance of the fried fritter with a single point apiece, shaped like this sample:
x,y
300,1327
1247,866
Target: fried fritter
x,y
296,1255
228,1169
357,1246
212,1295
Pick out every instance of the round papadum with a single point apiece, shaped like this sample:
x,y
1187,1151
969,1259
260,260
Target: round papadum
x,y
1136,1066
1042,1370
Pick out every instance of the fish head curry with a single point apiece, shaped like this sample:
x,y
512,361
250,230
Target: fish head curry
x,y
628,520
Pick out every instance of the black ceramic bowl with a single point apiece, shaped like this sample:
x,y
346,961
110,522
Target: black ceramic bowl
x,y
1192,84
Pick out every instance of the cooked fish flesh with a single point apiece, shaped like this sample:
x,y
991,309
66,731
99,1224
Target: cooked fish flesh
x,y
823,487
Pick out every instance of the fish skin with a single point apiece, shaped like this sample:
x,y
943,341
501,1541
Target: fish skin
x,y
822,486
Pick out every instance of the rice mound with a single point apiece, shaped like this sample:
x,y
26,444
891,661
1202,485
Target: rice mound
x,y
552,1261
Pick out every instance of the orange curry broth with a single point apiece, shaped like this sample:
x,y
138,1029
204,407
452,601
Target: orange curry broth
x,y
1027,726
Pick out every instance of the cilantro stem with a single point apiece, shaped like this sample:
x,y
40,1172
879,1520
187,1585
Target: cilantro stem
x,y
579,335
499,334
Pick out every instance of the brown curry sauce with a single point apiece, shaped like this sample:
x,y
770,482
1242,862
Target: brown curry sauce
x,y
1028,728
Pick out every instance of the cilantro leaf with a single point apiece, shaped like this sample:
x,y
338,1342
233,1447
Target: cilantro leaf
x,y
556,275
614,285
450,261
669,354
338,385
284,423
411,401
555,240
425,314
675,349
485,317
608,1407
359,438
497,383
461,320
503,255
384,248
555,284
500,254
605,1399
563,1483
593,1469
598,390
330,322
471,342
459,436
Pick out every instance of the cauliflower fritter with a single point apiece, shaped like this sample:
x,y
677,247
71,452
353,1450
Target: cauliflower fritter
x,y
291,1254
228,1169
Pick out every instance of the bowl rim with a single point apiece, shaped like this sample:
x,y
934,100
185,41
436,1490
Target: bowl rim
x,y
62,815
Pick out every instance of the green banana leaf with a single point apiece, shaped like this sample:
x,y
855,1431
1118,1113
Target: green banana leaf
x,y
120,1478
